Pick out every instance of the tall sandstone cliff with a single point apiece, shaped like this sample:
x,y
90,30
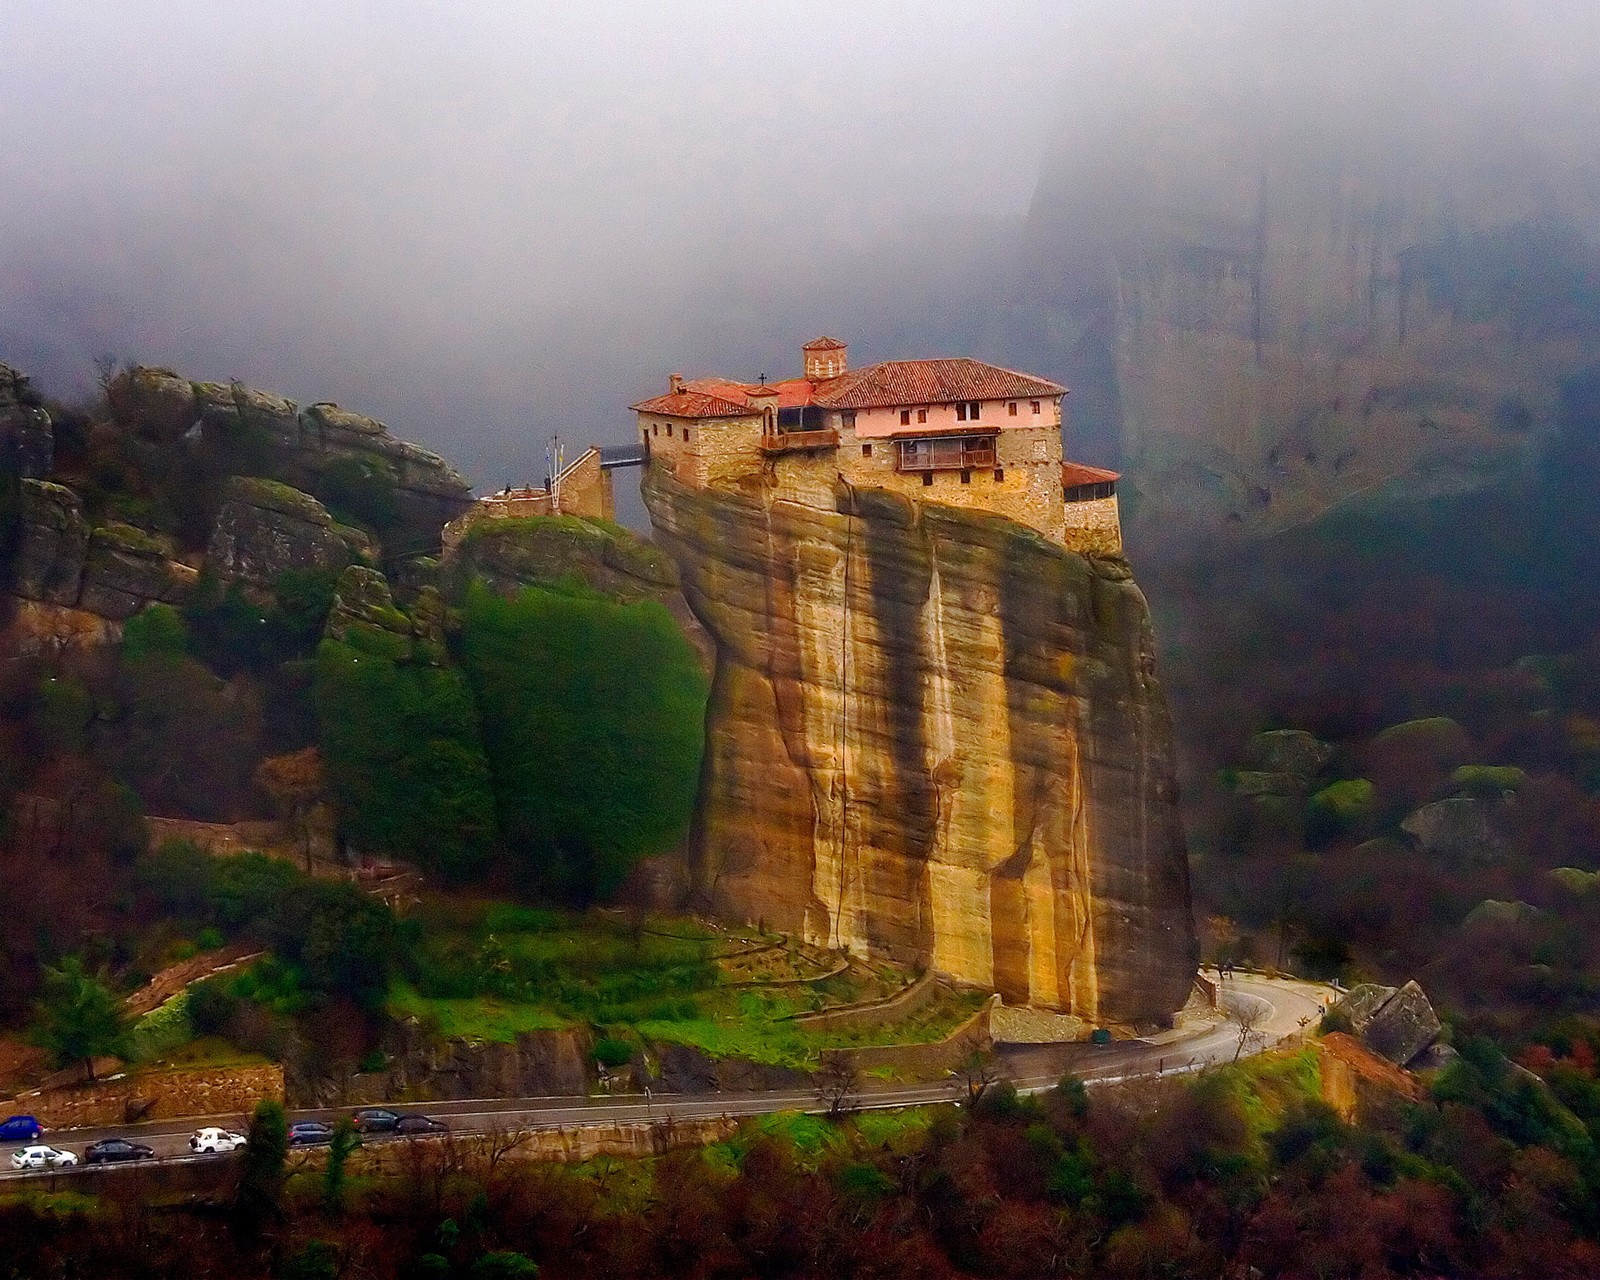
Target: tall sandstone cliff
x,y
935,734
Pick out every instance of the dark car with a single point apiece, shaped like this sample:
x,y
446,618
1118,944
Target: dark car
x,y
414,1125
21,1129
115,1150
310,1133
375,1120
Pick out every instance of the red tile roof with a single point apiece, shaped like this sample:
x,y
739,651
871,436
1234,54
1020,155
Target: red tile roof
x,y
1076,474
907,382
692,404
824,344
791,393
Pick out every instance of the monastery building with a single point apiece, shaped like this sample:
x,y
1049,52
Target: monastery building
x,y
953,431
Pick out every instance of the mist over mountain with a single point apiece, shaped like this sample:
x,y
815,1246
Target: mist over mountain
x,y
487,228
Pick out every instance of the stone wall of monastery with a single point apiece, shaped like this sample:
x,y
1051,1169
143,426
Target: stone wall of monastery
x,y
1094,528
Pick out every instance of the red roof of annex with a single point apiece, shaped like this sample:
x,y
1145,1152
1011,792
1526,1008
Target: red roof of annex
x,y
1074,475
889,384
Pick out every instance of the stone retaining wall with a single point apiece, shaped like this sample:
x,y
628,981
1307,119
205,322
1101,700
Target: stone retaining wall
x,y
873,1013
931,1060
153,1095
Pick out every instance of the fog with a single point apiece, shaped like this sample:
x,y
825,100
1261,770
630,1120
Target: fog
x,y
484,223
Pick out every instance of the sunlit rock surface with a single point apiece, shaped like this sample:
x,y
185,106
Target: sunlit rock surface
x,y
937,735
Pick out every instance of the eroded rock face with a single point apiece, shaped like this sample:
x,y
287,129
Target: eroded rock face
x,y
1397,1023
265,528
936,735
27,439
534,551
113,571
301,447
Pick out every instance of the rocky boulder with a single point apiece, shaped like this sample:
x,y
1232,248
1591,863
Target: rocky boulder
x,y
27,439
1396,1023
113,572
156,404
363,607
1293,753
265,528
52,544
1463,828
127,568
541,551
313,449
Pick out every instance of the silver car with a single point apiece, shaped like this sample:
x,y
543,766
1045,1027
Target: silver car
x,y
42,1157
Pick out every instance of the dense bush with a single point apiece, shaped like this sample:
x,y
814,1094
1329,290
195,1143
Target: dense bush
x,y
400,742
593,715
337,939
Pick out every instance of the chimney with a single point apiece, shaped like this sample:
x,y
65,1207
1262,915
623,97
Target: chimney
x,y
824,358
674,383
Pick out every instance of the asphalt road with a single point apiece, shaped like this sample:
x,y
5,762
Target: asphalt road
x,y
1284,1007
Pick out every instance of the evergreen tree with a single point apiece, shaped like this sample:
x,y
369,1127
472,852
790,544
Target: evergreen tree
x,y
79,1018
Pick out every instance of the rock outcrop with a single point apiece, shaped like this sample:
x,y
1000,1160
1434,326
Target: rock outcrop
x,y
534,551
316,449
936,735
1463,828
27,440
1396,1023
265,529
364,609
112,572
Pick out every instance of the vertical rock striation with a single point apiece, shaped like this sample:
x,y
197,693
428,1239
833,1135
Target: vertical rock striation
x,y
935,734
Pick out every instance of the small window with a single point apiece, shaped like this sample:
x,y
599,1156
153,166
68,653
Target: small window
x,y
905,417
1011,408
669,428
972,410
655,428
866,451
922,415
927,477
686,435
1034,405
999,473
849,417
966,477
961,411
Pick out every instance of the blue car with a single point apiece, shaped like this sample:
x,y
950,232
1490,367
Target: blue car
x,y
21,1129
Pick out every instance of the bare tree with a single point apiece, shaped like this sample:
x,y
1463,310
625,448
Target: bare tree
x,y
1247,1017
977,1070
838,1083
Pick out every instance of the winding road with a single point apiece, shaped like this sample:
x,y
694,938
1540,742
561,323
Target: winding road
x,y
1282,1007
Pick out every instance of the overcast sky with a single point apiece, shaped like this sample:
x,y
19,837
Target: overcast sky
x,y
483,222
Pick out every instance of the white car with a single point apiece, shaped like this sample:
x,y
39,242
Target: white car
x,y
42,1158
215,1142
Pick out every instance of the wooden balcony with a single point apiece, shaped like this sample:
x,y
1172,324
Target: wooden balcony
x,y
958,453
776,442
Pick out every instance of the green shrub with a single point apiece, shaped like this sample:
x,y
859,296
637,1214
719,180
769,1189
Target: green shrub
x,y
504,1266
594,720
157,632
1341,807
611,1052
163,1029
1487,780
210,1006
361,490
401,746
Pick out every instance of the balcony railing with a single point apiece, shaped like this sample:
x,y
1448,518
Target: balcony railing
x,y
775,442
958,454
